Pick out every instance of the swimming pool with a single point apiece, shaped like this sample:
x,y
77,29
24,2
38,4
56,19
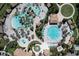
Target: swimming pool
x,y
37,48
53,33
35,8
23,42
16,22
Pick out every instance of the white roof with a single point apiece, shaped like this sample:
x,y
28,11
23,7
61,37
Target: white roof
x,y
59,48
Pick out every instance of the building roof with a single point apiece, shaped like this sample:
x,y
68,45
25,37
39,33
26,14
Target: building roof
x,y
46,52
72,39
53,18
21,52
59,48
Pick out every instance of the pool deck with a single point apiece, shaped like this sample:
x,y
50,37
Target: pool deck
x,y
8,29
7,26
48,39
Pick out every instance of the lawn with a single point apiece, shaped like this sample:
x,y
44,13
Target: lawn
x,y
53,51
11,47
66,10
3,43
53,9
76,13
32,44
3,10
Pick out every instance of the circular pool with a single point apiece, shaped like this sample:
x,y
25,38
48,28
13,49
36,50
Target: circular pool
x,y
52,33
37,48
23,42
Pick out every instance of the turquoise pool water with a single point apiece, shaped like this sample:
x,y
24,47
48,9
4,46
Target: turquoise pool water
x,y
16,22
35,9
53,32
23,42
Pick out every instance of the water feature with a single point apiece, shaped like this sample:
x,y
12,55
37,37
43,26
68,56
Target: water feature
x,y
23,42
53,33
16,22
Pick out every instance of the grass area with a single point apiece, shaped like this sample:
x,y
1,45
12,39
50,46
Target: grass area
x,y
75,33
75,30
3,10
32,44
11,47
75,21
77,41
1,4
53,9
3,43
53,51
76,13
66,10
